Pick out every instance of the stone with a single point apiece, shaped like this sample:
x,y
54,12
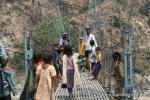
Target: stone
x,y
138,78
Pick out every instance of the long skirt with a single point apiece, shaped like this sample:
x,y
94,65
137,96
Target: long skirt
x,y
70,78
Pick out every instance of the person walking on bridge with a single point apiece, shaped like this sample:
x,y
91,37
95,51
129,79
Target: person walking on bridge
x,y
70,75
29,88
56,63
45,79
64,40
82,46
96,65
89,37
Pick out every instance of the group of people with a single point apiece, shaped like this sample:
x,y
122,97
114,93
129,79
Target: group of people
x,y
49,67
60,65
88,48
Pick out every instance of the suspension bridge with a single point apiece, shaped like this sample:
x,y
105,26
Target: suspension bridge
x,y
104,28
88,90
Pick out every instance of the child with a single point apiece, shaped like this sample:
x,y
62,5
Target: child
x,y
92,55
56,61
70,70
7,84
29,89
37,60
60,53
82,45
97,65
45,79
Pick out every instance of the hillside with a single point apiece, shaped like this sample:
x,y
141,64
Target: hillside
x,y
109,20
18,17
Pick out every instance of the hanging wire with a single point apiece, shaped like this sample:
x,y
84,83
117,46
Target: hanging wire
x,y
60,22
90,14
55,11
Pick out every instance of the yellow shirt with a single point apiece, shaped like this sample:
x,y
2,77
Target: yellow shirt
x,y
44,89
82,48
98,57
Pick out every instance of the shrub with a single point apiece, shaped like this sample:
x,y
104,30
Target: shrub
x,y
83,9
48,31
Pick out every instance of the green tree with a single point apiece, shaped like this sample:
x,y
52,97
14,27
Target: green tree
x,y
71,30
46,32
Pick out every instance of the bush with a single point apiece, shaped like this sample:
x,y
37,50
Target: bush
x,y
19,46
145,10
48,31
115,22
83,9
71,30
146,66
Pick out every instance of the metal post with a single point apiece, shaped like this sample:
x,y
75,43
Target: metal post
x,y
28,57
128,68
28,52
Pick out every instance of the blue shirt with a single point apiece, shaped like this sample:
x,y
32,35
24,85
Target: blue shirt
x,y
8,82
63,42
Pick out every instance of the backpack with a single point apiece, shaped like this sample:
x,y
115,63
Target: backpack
x,y
4,82
1,83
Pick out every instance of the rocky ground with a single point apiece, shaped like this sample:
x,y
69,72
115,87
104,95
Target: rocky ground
x,y
142,87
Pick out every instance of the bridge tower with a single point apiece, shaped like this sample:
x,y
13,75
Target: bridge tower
x,y
128,61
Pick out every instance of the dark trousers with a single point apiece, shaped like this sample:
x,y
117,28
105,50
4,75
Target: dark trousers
x,y
95,69
87,56
70,78
70,89
6,97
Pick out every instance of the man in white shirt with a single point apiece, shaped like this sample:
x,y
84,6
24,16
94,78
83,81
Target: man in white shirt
x,y
89,37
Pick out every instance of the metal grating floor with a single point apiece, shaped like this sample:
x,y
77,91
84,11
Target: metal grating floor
x,y
88,90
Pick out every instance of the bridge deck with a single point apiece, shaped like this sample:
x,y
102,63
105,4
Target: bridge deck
x,y
89,90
